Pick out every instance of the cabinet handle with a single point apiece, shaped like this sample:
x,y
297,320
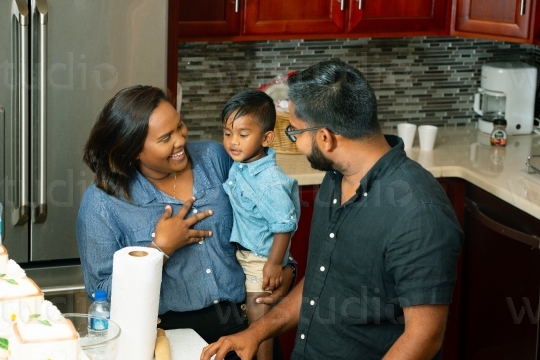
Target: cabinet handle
x,y
513,234
359,4
522,8
236,5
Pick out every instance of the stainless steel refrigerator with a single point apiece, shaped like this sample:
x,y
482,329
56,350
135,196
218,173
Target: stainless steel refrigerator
x,y
60,61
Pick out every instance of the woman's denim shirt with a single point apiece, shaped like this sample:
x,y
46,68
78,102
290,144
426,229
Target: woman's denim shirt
x,y
264,200
197,275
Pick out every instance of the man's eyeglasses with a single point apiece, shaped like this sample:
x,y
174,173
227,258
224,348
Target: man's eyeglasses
x,y
291,132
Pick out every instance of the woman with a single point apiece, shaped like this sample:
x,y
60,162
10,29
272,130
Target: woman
x,y
153,188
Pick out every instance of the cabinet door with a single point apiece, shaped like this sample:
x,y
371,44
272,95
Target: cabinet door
x,y
291,17
376,17
200,18
501,280
504,19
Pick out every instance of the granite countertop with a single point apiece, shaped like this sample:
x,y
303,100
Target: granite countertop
x,y
463,152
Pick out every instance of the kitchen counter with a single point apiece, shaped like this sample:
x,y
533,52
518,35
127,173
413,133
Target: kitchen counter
x,y
186,344
463,152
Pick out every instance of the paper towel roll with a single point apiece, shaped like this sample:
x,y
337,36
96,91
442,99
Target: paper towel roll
x,y
136,280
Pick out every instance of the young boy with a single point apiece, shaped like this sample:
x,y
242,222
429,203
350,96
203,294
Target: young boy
x,y
265,201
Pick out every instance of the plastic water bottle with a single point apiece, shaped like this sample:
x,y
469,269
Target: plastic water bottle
x,y
99,312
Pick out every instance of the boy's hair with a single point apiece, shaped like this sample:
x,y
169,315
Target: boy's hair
x,y
251,102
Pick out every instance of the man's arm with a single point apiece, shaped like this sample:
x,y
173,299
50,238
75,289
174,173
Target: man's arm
x,y
281,318
423,335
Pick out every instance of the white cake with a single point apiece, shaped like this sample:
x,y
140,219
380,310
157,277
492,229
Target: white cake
x,y
31,328
19,297
45,335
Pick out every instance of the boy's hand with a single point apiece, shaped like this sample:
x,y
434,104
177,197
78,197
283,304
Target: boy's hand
x,y
272,276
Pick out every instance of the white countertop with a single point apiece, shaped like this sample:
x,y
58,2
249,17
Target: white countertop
x,y
463,152
186,344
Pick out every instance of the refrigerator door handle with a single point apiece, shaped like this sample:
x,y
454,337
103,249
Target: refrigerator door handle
x,y
39,38
20,23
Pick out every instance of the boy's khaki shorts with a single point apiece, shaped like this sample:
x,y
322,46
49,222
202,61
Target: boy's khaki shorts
x,y
253,268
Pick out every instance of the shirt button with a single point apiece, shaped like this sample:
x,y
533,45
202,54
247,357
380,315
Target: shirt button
x,y
332,235
335,201
291,258
240,166
208,271
365,194
230,182
322,268
201,242
195,211
302,336
216,302
312,302
153,234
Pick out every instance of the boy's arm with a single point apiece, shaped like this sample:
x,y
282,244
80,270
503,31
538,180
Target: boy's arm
x,y
272,268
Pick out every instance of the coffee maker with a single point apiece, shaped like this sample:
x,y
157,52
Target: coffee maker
x,y
507,91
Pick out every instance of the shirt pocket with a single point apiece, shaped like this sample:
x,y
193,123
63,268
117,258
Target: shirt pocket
x,y
247,201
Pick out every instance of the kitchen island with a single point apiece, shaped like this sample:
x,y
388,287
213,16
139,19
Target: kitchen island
x,y
494,311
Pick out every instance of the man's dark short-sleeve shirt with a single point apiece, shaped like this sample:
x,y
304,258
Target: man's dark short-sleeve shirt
x,y
394,244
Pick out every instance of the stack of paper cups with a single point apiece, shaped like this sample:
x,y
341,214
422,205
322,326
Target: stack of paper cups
x,y
136,281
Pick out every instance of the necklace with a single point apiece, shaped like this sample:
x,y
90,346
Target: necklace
x,y
174,183
174,186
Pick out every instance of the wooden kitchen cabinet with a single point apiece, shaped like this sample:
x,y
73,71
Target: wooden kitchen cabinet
x,y
373,18
399,17
536,31
507,20
238,20
291,17
208,18
500,280
315,19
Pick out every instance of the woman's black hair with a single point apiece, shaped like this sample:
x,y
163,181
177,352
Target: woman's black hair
x,y
118,137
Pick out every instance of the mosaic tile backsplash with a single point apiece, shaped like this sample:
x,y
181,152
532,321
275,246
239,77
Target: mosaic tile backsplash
x,y
423,80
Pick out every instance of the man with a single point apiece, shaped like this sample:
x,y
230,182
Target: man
x,y
384,238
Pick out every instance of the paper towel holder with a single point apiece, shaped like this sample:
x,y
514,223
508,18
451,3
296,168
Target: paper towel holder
x,y
138,253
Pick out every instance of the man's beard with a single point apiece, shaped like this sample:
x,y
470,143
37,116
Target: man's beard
x,y
317,159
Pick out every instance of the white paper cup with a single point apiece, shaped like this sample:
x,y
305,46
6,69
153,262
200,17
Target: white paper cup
x,y
406,131
427,135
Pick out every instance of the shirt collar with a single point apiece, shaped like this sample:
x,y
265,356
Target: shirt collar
x,y
263,163
387,164
142,191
